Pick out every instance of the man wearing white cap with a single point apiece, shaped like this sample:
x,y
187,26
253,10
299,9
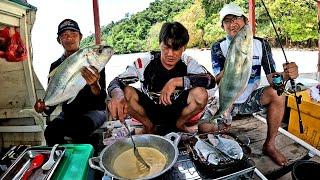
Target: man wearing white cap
x,y
254,99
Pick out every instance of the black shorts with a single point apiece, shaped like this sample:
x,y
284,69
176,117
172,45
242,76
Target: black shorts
x,y
164,116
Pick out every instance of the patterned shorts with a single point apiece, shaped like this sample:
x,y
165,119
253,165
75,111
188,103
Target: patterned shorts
x,y
251,105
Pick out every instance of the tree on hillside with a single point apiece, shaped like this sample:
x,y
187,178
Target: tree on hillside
x,y
212,27
212,7
130,34
152,42
295,20
189,18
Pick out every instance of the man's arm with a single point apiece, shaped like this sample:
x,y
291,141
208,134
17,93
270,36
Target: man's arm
x,y
218,77
217,60
267,61
117,105
290,70
205,80
92,77
39,105
197,75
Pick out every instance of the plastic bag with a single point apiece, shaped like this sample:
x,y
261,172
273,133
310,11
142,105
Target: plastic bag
x,y
12,48
16,51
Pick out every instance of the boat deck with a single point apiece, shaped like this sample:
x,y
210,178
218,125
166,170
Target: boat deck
x,y
256,130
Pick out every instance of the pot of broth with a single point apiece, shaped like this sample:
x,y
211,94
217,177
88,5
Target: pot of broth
x,y
118,160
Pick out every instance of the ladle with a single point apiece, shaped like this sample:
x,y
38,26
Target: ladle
x,y
135,150
36,162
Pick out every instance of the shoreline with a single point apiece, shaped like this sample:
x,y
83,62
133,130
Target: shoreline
x,y
306,61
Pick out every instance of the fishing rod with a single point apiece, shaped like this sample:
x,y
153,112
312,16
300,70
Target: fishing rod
x,y
298,99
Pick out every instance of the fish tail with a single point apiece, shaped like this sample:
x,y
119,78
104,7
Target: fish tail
x,y
210,120
39,119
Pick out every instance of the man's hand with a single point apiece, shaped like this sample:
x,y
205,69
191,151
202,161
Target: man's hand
x,y
39,106
168,89
149,128
219,76
92,78
118,107
290,71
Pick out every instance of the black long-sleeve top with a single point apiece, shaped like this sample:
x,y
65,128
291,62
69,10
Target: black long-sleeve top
x,y
153,76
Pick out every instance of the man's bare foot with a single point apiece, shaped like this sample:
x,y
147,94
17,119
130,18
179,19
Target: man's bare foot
x,y
275,155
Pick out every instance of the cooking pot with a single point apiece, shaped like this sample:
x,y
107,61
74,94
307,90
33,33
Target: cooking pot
x,y
305,169
167,145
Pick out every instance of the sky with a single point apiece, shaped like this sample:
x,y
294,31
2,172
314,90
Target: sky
x,y
50,13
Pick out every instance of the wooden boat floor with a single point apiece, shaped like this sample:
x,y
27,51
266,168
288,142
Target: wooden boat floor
x,y
256,130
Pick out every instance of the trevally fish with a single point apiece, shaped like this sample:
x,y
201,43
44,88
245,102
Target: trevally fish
x,y
66,80
236,73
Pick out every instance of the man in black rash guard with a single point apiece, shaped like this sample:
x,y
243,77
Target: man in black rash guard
x,y
87,111
173,86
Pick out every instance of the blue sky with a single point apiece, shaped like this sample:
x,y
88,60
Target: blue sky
x,y
50,13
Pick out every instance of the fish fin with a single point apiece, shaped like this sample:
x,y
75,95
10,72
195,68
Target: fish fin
x,y
91,60
53,72
71,99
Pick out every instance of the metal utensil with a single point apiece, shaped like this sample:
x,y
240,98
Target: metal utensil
x,y
135,150
35,163
51,161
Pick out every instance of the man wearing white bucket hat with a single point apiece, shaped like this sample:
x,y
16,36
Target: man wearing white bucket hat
x,y
254,99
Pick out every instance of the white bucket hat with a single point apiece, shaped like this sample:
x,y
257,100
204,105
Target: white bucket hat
x,y
230,8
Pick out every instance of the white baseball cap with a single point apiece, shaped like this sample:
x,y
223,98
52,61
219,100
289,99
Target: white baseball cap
x,y
230,8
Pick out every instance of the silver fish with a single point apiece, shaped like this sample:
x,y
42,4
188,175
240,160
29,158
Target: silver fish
x,y
66,80
229,147
209,152
236,73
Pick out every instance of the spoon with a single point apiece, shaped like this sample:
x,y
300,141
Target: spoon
x,y
50,161
35,163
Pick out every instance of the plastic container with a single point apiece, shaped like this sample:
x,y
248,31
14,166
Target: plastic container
x,y
74,164
310,116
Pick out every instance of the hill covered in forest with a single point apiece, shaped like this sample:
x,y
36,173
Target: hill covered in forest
x,y
295,20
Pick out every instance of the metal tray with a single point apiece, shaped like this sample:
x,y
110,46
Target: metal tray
x,y
17,169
